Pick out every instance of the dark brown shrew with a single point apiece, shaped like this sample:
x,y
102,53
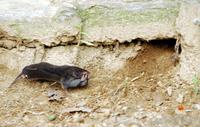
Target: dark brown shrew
x,y
67,76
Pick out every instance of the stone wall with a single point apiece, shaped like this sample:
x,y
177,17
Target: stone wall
x,y
190,40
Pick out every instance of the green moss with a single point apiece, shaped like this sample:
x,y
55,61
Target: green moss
x,y
101,16
18,31
35,28
196,83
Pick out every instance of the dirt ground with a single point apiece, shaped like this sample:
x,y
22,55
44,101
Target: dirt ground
x,y
144,93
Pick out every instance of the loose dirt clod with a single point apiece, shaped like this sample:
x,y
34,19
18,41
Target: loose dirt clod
x,y
55,95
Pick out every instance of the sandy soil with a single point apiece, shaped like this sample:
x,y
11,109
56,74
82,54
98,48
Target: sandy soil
x,y
144,93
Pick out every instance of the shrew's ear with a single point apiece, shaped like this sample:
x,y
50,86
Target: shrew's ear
x,y
84,76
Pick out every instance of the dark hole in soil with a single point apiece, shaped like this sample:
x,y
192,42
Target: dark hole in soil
x,y
163,43
170,43
157,43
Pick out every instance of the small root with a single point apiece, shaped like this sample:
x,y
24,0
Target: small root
x,y
137,77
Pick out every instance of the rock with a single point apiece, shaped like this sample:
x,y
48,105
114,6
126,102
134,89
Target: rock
x,y
9,44
77,118
158,103
196,106
158,98
22,48
27,20
144,61
187,25
169,91
159,83
196,21
140,115
55,95
147,96
106,111
125,108
51,117
140,108
81,104
180,98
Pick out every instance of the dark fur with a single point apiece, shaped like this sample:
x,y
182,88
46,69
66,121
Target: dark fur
x,y
67,76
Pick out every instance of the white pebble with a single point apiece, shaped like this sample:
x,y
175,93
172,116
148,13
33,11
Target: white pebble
x,y
180,98
169,91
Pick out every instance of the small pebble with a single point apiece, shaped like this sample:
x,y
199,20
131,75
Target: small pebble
x,y
51,117
124,108
144,61
77,118
196,106
159,83
180,98
22,48
169,91
158,103
140,115
196,21
158,98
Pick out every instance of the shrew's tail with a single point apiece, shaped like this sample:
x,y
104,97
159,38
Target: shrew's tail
x,y
16,79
